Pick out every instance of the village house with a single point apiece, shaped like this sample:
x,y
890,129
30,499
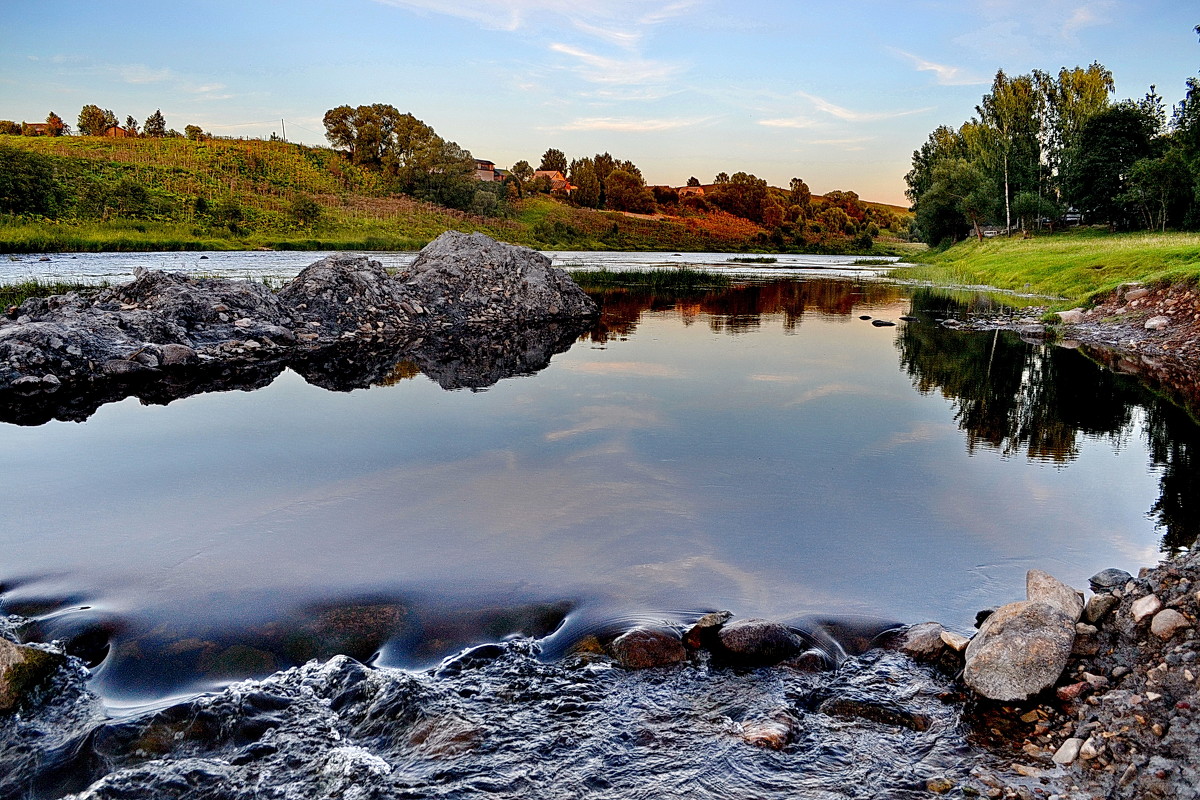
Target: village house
x,y
116,132
558,181
35,129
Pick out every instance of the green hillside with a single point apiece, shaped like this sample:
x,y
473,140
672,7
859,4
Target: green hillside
x,y
105,194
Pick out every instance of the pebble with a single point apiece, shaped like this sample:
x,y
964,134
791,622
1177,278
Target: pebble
x,y
955,641
1068,751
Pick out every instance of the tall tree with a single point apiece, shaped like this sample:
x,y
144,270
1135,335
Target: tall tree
x,y
586,182
1013,111
555,160
131,125
627,192
94,120
55,125
1098,164
156,125
800,196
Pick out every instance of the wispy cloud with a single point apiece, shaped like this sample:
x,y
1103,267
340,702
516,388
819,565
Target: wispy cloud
x,y
627,124
140,73
597,68
1015,30
852,143
788,122
946,75
849,115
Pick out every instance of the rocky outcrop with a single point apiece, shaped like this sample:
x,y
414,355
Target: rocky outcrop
x,y
472,310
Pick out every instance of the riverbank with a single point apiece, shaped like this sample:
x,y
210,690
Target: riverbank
x,y
1068,269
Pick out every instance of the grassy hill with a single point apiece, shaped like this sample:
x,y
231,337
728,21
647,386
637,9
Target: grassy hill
x,y
178,194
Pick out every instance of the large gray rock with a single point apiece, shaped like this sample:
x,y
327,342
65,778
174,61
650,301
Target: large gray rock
x,y
1045,588
474,279
1019,651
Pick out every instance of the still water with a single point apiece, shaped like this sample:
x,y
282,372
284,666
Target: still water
x,y
759,448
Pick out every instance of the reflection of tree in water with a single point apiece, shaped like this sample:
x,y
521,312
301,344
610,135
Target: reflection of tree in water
x,y
737,309
1037,399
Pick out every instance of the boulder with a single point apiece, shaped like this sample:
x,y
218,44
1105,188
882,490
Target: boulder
x,y
22,668
1072,317
1045,588
473,279
1109,580
1167,623
759,642
1019,651
923,642
1157,323
1145,607
1098,605
645,648
704,634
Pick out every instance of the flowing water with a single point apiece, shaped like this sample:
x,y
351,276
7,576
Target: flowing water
x,y
760,449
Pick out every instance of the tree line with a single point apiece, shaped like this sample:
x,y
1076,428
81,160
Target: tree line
x,y
96,121
1044,148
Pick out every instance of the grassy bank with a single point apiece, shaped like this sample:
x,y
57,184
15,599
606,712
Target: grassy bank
x,y
685,279
1073,266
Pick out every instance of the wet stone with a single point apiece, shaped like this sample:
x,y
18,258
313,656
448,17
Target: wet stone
x,y
1168,622
1109,580
703,634
758,642
1098,606
646,648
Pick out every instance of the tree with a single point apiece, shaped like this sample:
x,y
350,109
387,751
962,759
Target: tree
x,y
131,125
554,160
693,181
156,125
304,211
800,196
94,121
28,184
1099,162
587,184
742,195
1029,207
627,192
522,171
1072,98
55,125
193,132
1012,114
1155,185
9,128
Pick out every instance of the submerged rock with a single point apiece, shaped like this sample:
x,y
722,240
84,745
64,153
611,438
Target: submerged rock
x,y
757,642
645,648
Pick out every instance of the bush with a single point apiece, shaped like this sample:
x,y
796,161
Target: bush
x,y
28,183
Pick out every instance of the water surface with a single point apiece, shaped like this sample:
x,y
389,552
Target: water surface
x,y
761,449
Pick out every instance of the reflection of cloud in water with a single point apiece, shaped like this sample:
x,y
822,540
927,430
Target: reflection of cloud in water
x,y
831,390
923,432
776,378
608,418
635,369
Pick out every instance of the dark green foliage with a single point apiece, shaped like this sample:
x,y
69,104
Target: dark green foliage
x,y
304,211
1098,165
156,125
28,183
94,121
554,159
742,195
626,192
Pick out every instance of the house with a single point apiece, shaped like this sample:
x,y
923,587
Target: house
x,y
688,191
116,132
558,181
35,129
485,170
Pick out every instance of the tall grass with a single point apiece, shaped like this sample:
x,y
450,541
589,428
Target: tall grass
x,y
682,279
13,294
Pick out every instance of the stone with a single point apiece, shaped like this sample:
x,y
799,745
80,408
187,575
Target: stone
x,y
882,713
1091,749
1109,580
1157,323
703,634
772,734
883,323
1068,751
22,669
1136,293
175,355
759,642
923,642
1072,317
1167,623
1042,587
1020,651
1098,606
939,785
1145,607
955,641
646,648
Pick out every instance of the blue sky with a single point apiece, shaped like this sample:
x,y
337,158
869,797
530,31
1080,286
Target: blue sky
x,y
838,93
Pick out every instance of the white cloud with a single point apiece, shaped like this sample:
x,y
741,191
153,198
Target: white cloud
x,y
597,68
1019,30
627,124
788,122
848,115
946,75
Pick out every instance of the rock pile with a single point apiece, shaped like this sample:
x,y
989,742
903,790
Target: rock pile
x,y
168,324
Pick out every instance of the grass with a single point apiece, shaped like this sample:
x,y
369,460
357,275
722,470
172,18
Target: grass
x,y
1074,267
753,260
13,294
684,279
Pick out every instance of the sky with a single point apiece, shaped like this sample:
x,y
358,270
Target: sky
x,y
837,93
